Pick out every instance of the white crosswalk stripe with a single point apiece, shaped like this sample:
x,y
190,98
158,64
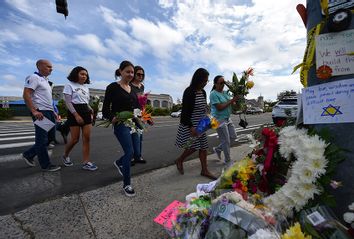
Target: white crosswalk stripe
x,y
23,132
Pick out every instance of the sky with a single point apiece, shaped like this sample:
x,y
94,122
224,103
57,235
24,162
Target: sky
x,y
170,39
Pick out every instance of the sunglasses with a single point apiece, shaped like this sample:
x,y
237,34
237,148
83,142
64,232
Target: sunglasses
x,y
140,74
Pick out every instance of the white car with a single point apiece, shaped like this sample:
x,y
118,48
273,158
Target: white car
x,y
284,109
176,114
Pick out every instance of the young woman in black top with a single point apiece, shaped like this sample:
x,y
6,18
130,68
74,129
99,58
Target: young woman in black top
x,y
120,97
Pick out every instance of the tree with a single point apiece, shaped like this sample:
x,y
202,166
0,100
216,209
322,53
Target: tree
x,y
286,93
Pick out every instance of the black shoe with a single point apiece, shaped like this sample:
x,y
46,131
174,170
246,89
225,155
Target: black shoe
x,y
132,163
28,161
129,191
141,160
51,168
119,167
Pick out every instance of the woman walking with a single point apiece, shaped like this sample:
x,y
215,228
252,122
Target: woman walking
x,y
194,107
120,97
220,103
138,87
77,96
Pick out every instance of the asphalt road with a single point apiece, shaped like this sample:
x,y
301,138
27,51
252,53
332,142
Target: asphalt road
x,y
22,186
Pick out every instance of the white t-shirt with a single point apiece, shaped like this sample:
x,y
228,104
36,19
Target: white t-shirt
x,y
42,92
79,93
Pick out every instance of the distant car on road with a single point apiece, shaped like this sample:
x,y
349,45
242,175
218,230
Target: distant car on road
x,y
176,114
284,109
254,110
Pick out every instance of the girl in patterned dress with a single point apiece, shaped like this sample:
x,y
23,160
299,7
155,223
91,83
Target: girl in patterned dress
x,y
194,107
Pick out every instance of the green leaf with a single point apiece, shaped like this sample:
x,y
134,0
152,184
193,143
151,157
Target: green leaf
x,y
234,79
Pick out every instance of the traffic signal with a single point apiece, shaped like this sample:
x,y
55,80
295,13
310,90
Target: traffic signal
x,y
62,7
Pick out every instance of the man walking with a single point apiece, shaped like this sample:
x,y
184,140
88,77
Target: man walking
x,y
37,94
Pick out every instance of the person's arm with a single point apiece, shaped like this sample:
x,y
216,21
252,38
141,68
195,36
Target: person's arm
x,y
27,93
222,106
187,107
107,104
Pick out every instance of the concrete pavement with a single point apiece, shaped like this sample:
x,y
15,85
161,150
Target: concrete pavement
x,y
106,212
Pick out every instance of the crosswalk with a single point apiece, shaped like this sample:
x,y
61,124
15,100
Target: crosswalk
x,y
15,135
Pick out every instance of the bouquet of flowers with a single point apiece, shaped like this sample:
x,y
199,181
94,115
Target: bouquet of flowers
x,y
240,88
205,123
130,119
145,112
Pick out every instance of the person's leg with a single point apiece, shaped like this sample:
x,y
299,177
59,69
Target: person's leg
x,y
203,161
41,141
74,139
232,131
124,137
86,135
224,138
181,158
136,146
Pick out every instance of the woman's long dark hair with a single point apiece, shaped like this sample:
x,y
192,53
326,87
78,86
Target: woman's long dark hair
x,y
122,65
74,75
216,78
198,77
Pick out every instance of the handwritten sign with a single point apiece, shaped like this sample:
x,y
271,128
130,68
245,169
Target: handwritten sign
x,y
329,103
333,50
169,215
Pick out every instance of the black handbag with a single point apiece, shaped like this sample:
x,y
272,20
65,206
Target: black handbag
x,y
243,122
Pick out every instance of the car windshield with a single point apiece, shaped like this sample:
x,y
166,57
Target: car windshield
x,y
288,102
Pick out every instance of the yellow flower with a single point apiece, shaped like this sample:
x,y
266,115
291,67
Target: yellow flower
x,y
295,232
214,123
249,84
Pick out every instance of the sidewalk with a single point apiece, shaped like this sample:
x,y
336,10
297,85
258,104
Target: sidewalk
x,y
106,212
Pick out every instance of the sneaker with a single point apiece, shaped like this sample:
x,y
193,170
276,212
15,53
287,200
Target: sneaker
x,y
89,166
129,191
67,162
217,152
51,168
51,146
141,160
29,162
119,167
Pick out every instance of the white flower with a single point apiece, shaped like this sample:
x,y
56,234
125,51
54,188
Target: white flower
x,y
351,207
137,112
308,190
264,234
348,217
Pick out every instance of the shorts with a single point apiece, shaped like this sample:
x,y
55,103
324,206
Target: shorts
x,y
84,111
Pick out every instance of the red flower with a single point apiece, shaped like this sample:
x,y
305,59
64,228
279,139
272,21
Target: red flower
x,y
324,72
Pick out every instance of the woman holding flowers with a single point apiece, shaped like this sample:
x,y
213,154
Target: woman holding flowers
x,y
194,108
120,97
220,103
76,95
138,87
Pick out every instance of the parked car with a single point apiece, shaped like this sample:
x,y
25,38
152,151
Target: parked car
x,y
176,114
254,110
284,109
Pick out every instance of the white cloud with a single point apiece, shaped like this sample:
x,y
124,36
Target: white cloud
x,y
91,42
161,38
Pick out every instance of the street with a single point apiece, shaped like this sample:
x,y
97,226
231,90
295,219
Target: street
x,y
22,186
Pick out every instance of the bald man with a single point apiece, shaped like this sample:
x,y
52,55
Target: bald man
x,y
37,94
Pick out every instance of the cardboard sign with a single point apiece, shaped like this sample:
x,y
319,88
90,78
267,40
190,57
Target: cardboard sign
x,y
169,215
336,51
329,103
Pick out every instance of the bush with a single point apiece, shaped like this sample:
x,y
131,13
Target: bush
x,y
160,112
62,108
5,113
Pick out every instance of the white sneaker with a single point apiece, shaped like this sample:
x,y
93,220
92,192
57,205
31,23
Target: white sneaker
x,y
67,162
51,146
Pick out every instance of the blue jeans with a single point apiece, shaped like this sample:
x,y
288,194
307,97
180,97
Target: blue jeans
x,y
131,147
42,137
226,132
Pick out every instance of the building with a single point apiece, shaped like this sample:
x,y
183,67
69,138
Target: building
x,y
155,100
255,103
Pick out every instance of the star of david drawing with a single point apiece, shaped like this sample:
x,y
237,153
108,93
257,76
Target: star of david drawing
x,y
331,110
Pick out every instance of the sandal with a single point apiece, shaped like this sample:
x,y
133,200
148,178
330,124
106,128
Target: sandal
x,y
208,175
179,166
